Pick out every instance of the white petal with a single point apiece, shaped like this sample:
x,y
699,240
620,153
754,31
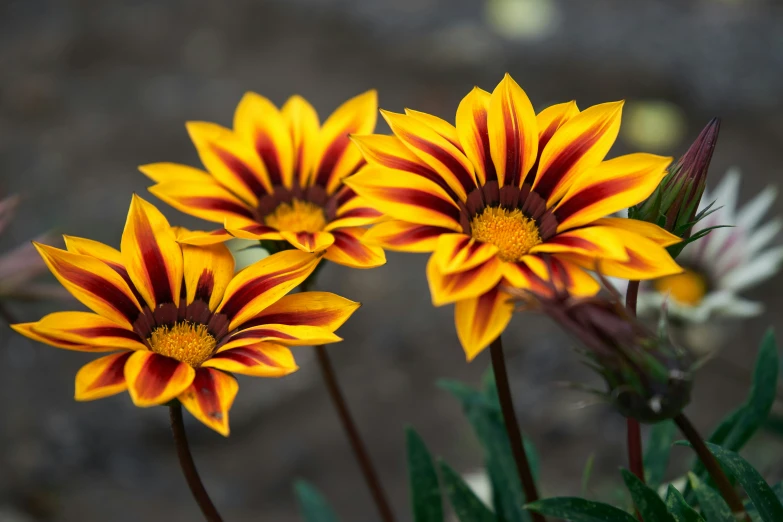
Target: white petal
x,y
761,237
751,213
758,269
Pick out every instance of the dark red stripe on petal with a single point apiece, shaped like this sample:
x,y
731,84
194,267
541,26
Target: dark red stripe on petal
x,y
268,152
155,376
573,242
207,393
460,280
484,309
262,333
480,117
572,153
217,204
241,171
247,357
106,331
153,260
414,235
360,212
99,287
205,285
306,239
592,195
112,375
330,158
303,317
351,246
513,146
464,177
424,199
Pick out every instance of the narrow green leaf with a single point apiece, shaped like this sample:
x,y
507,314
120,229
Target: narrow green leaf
x,y
680,509
656,458
646,500
467,506
761,494
713,507
586,472
312,504
576,509
424,487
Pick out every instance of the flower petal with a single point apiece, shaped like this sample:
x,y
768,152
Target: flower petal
x,y
102,377
354,211
447,288
595,241
209,398
439,125
206,200
154,379
551,119
263,283
548,273
611,186
86,328
244,230
308,241
480,320
643,228
201,237
513,132
284,334
473,130
207,272
258,360
232,162
350,250
304,125
110,256
166,172
578,145
337,157
323,309
92,282
151,254
26,329
436,151
406,196
404,237
460,252
258,122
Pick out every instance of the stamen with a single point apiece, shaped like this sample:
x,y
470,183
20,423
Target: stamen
x,y
185,341
297,216
510,230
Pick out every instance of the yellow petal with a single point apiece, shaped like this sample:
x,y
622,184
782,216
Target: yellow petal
x,y
349,249
439,125
304,126
404,236
210,397
308,241
259,360
460,252
174,172
473,130
284,334
154,379
643,228
102,377
323,309
86,328
480,320
206,200
448,288
208,270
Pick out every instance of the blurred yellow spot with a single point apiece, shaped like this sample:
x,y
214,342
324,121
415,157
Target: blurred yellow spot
x,y
297,216
653,124
522,19
687,288
187,342
510,230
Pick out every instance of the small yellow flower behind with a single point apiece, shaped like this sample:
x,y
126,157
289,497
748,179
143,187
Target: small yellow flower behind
x,y
688,288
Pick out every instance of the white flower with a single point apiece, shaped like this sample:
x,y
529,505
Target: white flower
x,y
723,263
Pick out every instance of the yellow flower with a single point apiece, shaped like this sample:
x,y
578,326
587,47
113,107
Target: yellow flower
x,y
278,176
179,318
508,198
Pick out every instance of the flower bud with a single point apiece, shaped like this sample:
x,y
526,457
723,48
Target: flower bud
x,y
648,378
674,204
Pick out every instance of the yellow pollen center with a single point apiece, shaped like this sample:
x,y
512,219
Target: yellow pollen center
x,y
510,230
687,288
186,342
297,216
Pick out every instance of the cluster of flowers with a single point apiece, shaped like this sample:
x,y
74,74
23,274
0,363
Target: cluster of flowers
x,y
513,206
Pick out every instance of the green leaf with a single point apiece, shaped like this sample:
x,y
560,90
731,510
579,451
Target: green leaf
x,y
579,510
659,446
740,425
424,487
646,500
586,472
467,506
680,509
761,494
312,504
713,507
483,412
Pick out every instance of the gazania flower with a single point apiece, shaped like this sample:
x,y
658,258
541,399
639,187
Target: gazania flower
x,y
179,318
505,189
278,176
723,263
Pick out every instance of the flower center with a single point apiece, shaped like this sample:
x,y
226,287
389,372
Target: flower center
x,y
687,288
185,341
297,216
510,230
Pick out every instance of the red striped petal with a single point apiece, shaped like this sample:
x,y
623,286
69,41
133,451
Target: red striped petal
x,y
322,309
154,379
102,377
210,397
259,360
349,250
405,237
480,320
473,129
459,252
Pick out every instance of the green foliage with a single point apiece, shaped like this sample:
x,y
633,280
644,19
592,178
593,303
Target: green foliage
x,y
576,509
467,506
424,487
713,507
312,504
646,500
656,456
680,509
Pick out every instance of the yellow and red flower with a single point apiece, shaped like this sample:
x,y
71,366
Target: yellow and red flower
x,y
278,176
179,318
510,198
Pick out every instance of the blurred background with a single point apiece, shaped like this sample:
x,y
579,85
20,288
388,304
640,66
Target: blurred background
x,y
90,89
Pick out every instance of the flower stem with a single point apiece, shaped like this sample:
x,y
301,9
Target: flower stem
x,y
713,468
512,426
354,438
188,466
635,458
